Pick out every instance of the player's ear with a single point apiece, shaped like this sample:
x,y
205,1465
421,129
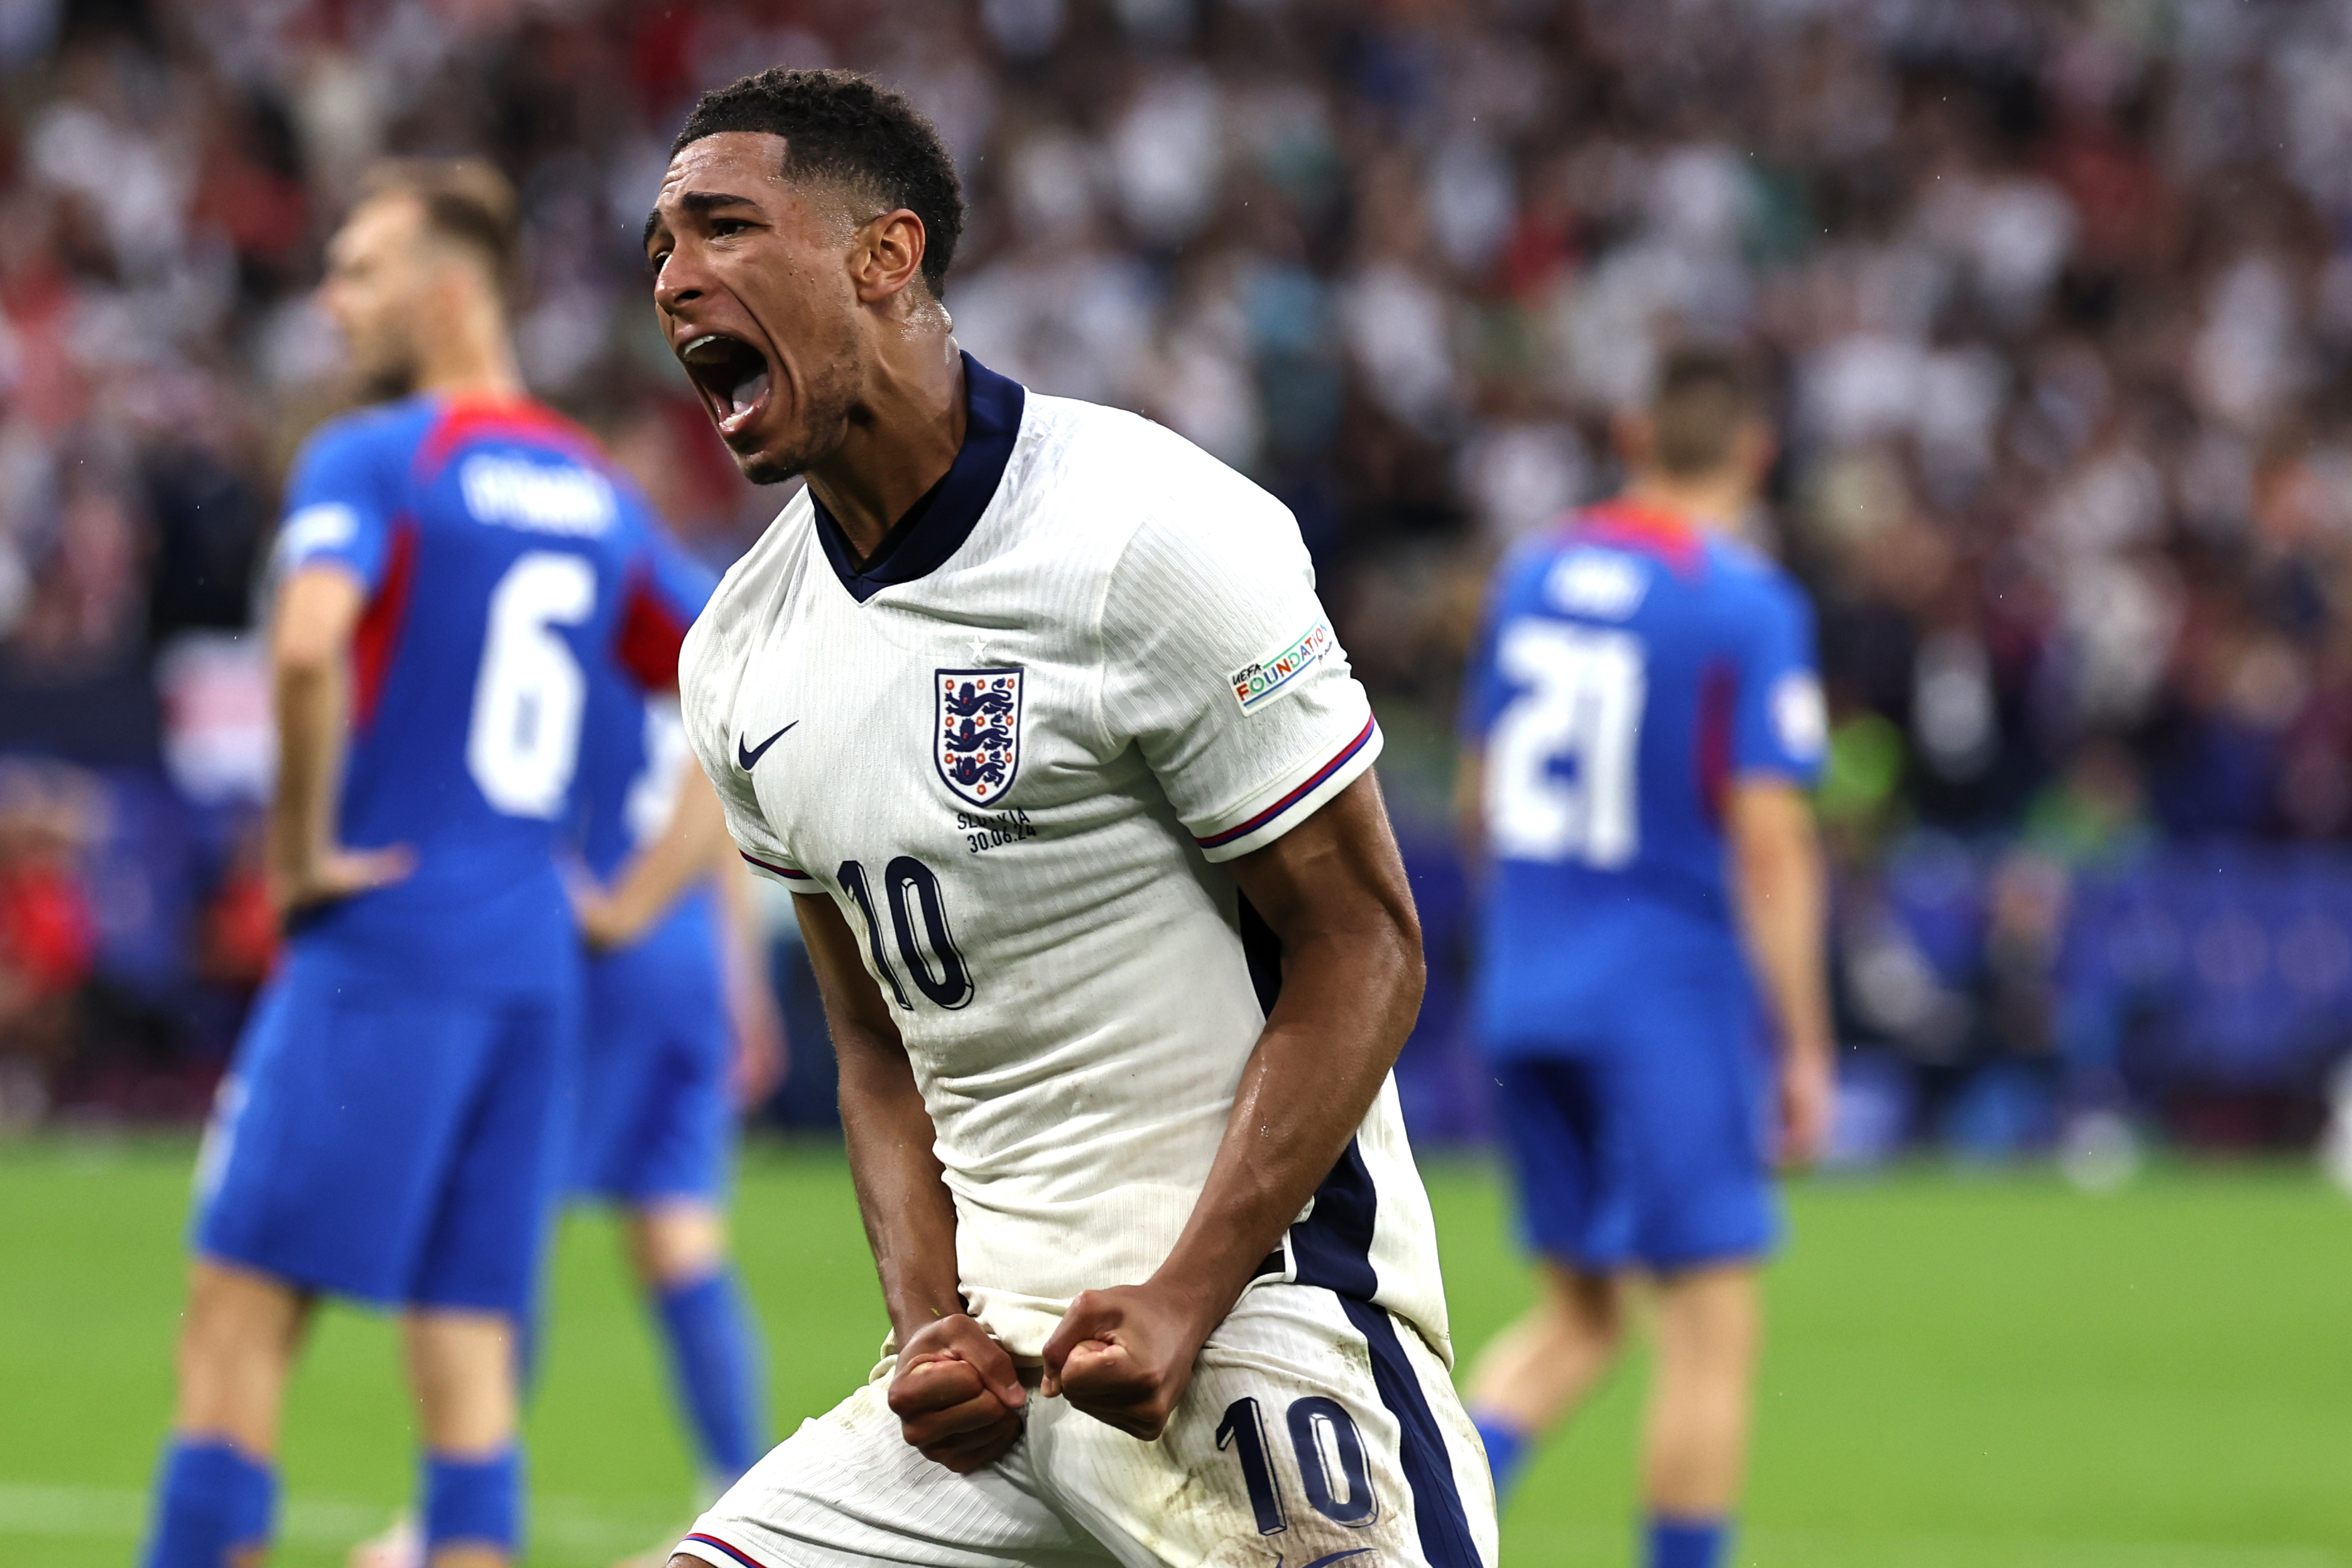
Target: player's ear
x,y
889,256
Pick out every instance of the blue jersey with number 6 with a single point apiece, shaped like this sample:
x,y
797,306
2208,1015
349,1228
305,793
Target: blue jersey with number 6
x,y
505,562
1631,667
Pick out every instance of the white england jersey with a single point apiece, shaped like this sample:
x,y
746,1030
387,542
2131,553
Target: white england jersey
x,y
1012,749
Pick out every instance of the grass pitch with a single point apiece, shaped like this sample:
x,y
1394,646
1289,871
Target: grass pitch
x,y
1965,1371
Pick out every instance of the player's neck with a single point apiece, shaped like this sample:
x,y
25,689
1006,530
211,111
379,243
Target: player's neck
x,y
1717,504
903,437
470,355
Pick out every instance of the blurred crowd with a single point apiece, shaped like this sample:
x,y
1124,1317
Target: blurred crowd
x,y
2057,299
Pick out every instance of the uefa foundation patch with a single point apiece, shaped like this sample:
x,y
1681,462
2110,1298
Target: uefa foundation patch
x,y
1255,685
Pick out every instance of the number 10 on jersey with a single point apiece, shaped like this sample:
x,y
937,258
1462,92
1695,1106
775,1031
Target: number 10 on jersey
x,y
929,956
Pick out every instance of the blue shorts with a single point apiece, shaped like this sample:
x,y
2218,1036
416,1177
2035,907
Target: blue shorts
x,y
655,1118
381,1140
1647,1151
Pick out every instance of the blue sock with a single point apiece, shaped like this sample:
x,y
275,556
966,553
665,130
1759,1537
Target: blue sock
x,y
1688,1543
1506,1450
714,1355
210,1501
475,1500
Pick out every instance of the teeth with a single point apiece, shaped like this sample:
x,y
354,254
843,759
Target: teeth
x,y
697,345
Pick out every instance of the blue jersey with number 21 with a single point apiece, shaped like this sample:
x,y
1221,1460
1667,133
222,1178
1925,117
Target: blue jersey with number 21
x,y
1631,667
506,564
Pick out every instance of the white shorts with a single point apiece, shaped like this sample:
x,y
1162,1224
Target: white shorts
x,y
1316,1431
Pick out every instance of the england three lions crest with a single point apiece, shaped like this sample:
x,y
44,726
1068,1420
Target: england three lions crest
x,y
977,742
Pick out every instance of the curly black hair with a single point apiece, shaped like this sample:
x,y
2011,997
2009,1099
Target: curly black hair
x,y
840,126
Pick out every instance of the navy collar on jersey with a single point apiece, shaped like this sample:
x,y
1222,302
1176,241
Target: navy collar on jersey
x,y
936,526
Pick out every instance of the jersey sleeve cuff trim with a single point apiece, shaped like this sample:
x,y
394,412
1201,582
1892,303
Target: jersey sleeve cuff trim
x,y
784,874
1300,802
692,1544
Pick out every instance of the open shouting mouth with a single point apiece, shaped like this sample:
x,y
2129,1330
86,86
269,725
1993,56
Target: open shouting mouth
x,y
731,375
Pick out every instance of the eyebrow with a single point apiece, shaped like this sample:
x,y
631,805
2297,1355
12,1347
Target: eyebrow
x,y
695,202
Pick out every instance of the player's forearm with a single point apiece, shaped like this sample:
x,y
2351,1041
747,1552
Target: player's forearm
x,y
1783,906
902,1191
744,949
1308,1088
682,855
761,1057
310,702
1351,981
310,646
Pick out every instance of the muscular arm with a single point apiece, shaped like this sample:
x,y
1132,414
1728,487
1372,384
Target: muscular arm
x,y
901,1190
1776,863
310,634
955,1391
1333,889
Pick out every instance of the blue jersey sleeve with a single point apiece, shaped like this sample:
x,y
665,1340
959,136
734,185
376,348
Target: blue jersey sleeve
x,y
682,584
1781,725
341,501
665,591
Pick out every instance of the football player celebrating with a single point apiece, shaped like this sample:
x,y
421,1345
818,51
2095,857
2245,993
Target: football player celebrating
x,y
1643,716
392,1128
1034,705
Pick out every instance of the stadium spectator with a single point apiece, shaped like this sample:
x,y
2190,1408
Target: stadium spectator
x,y
48,936
2060,295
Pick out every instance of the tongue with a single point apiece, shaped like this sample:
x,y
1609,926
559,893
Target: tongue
x,y
748,393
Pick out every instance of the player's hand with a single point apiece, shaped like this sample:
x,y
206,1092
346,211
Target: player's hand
x,y
956,1396
762,1055
337,875
603,924
1808,1102
1125,1356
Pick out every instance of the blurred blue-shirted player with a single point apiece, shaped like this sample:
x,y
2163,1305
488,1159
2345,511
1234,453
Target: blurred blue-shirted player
x,y
679,1028
1643,718
394,1127
670,1048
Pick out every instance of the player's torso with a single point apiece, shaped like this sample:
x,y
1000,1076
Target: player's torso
x,y
470,675
1062,961
1607,761
1063,964
934,757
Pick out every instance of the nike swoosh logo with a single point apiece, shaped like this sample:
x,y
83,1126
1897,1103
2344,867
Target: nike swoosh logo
x,y
1338,1557
747,757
